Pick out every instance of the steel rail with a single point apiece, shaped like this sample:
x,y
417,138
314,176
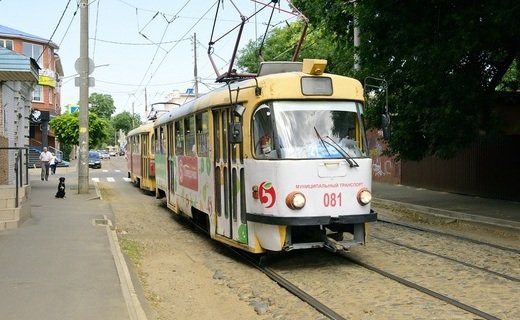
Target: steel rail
x,y
498,274
479,242
295,290
422,289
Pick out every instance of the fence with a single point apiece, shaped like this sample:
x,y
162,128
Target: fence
x,y
20,168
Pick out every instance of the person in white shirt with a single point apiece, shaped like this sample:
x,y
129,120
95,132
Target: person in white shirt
x,y
52,164
45,158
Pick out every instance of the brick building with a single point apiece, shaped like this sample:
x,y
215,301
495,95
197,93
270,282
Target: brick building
x,y
45,101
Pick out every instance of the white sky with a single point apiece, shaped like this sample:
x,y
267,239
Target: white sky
x,y
128,41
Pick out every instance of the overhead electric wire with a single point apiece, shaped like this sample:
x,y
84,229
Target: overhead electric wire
x,y
164,58
70,23
138,44
55,29
168,47
95,30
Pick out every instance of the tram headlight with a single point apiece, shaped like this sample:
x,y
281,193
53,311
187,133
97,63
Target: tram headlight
x,y
364,196
295,200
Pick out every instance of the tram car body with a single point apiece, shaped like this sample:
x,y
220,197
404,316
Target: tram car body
x,y
140,157
277,162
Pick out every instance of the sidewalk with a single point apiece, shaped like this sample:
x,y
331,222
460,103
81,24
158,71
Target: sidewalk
x,y
443,204
65,262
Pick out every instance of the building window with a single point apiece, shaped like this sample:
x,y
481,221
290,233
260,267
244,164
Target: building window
x,y
38,93
8,44
33,50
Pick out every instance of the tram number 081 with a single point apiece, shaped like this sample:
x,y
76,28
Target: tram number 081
x,y
332,200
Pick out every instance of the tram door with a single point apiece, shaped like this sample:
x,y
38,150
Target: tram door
x,y
145,164
228,171
170,162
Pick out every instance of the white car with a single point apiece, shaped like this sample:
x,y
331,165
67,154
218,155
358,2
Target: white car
x,y
104,155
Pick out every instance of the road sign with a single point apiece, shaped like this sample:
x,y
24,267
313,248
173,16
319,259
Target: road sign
x,y
73,109
91,81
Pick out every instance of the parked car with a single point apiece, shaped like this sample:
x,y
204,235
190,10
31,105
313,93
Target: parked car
x,y
105,155
62,163
94,159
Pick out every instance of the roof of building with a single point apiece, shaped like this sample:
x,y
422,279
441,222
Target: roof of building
x,y
6,32
17,67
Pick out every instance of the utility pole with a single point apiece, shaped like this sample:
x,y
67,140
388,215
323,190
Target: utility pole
x,y
133,125
83,177
195,65
357,64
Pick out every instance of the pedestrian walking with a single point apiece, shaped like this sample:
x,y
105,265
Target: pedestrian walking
x,y
45,158
52,164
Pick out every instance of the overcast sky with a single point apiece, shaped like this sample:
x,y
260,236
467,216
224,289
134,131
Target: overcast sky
x,y
140,44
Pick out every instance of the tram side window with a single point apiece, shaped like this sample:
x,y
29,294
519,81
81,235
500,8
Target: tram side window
x,y
155,142
137,145
263,133
201,122
162,140
179,138
189,129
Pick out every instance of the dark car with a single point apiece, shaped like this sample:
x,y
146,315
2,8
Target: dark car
x,y
94,159
62,163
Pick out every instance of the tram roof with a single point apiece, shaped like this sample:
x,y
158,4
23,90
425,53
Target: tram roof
x,y
277,73
145,127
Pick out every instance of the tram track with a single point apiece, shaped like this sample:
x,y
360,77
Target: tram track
x,y
495,273
448,234
332,314
420,288
291,287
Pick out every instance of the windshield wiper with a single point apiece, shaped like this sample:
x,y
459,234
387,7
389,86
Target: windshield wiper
x,y
345,154
322,141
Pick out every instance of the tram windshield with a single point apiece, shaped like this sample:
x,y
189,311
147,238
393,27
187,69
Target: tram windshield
x,y
308,130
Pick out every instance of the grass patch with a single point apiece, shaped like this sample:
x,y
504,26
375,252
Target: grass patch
x,y
132,250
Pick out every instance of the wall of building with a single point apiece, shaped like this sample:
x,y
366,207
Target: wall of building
x,y
51,91
384,167
16,109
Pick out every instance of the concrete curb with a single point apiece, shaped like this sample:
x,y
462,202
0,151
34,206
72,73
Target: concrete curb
x,y
447,214
133,305
135,310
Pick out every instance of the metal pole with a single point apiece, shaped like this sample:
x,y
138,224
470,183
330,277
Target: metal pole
x,y
357,63
133,125
83,180
195,73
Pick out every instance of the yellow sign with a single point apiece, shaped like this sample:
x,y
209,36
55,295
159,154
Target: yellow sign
x,y
47,81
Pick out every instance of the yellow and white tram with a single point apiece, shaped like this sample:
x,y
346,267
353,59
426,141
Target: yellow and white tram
x,y
140,157
275,162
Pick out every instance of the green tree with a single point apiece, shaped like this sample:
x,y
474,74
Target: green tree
x,y
66,129
280,45
123,121
102,105
441,59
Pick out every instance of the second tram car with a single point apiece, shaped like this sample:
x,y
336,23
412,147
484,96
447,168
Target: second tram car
x,y
140,157
276,162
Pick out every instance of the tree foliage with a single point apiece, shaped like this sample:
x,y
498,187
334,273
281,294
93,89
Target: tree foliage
x,y
281,44
442,61
101,104
66,129
123,121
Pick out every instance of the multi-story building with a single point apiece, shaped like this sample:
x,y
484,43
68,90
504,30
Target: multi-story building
x,y
45,102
